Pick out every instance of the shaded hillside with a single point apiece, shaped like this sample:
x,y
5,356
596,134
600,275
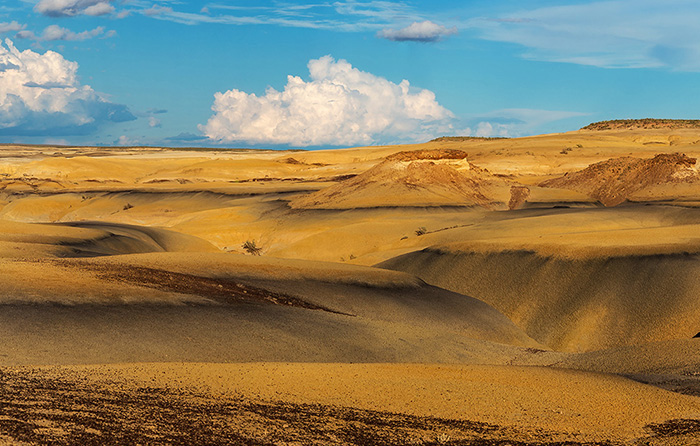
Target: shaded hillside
x,y
414,178
615,180
573,304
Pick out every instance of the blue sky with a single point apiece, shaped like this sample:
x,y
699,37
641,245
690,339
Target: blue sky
x,y
337,73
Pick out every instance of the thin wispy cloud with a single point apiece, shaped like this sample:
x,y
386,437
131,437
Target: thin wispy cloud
x,y
515,122
609,34
157,10
54,33
346,16
425,31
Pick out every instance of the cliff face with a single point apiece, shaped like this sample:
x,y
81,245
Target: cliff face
x,y
612,182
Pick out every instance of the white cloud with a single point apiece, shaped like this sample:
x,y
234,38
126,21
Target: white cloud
x,y
98,9
156,10
375,9
70,8
425,31
126,141
10,27
154,122
40,94
610,34
55,32
340,105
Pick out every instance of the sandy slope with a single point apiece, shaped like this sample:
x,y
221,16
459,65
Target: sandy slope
x,y
531,403
135,257
412,179
190,305
578,280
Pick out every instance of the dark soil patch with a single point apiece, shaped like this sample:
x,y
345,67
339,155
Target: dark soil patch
x,y
57,408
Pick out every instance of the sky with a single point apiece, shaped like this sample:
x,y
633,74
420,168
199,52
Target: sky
x,y
326,74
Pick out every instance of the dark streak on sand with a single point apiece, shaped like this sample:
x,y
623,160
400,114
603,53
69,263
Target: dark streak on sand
x,y
222,291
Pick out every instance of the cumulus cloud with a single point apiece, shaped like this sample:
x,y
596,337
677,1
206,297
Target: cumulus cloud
x,y
340,105
70,8
10,27
425,31
40,95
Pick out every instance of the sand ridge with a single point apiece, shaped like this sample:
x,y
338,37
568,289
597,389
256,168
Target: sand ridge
x,y
411,178
480,306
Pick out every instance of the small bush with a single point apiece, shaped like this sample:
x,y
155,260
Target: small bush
x,y
443,439
421,231
127,206
251,248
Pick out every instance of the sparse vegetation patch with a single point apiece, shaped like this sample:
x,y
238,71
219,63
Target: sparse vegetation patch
x,y
252,248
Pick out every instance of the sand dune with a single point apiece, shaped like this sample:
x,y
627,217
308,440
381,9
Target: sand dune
x,y
95,238
575,280
574,305
509,306
208,305
413,178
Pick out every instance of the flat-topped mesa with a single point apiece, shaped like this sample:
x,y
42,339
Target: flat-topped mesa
x,y
644,124
613,181
439,154
405,179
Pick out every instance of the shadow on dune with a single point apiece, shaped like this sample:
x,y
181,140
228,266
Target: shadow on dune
x,y
573,304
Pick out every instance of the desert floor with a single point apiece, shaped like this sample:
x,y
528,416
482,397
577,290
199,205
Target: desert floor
x,y
507,294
